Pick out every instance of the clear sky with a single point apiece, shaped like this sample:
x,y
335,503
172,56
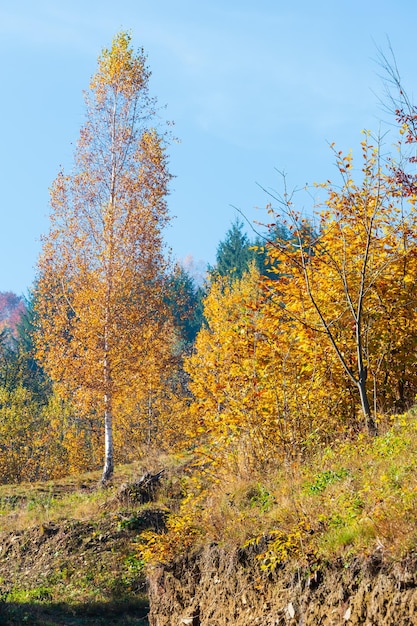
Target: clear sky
x,y
253,87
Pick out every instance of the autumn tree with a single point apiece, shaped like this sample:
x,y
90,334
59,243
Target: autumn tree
x,y
31,444
349,282
258,392
226,377
283,365
99,296
12,307
399,104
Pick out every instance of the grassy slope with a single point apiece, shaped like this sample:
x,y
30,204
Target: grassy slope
x,y
351,498
67,554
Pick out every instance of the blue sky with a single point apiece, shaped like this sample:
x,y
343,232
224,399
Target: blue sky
x,y
252,87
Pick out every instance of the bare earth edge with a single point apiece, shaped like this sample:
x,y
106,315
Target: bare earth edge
x,y
215,587
72,573
59,563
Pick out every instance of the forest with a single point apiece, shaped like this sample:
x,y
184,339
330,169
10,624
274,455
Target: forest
x,y
300,343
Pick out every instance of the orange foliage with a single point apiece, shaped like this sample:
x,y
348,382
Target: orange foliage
x,y
288,363
100,289
351,286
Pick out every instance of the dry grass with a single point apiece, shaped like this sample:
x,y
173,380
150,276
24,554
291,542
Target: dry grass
x,y
79,497
351,498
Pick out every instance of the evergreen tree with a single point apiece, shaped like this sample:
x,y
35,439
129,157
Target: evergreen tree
x,y
185,302
28,370
234,253
277,233
18,366
237,251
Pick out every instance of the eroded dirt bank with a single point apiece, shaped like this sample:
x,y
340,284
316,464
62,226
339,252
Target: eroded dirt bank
x,y
72,572
216,588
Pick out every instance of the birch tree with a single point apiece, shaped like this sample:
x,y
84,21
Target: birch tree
x,y
100,273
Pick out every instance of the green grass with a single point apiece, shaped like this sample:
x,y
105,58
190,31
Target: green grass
x,y
83,556
68,554
350,498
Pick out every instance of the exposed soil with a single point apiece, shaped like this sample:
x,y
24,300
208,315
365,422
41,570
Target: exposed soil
x,y
88,572
76,572
217,588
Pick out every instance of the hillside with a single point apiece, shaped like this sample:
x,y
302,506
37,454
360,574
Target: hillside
x,y
67,553
221,587
327,541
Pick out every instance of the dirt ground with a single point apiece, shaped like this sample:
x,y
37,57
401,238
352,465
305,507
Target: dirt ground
x,y
74,572
222,588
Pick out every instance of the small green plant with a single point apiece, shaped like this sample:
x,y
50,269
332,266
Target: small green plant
x,y
390,444
37,594
261,498
339,538
131,523
134,564
325,478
